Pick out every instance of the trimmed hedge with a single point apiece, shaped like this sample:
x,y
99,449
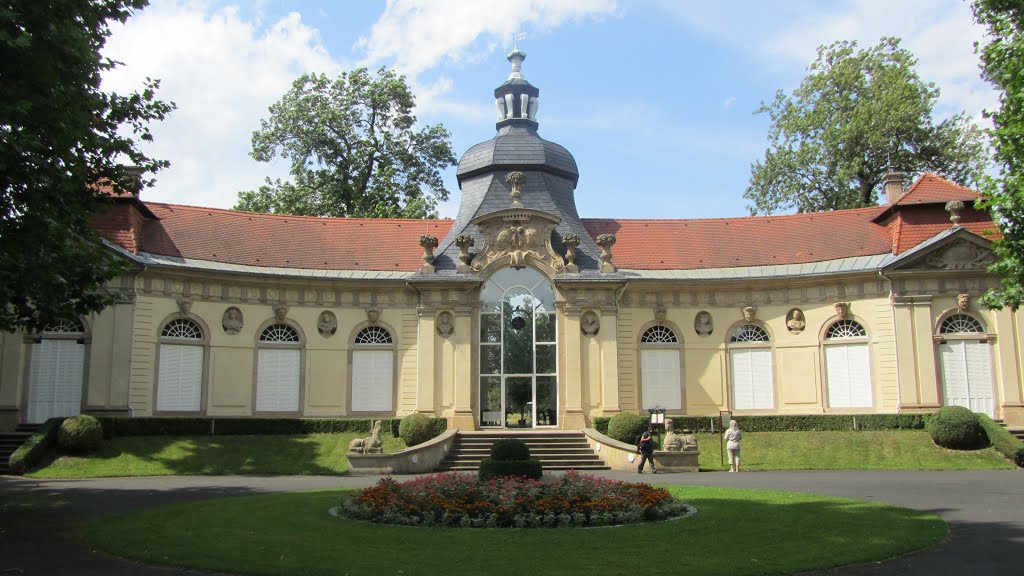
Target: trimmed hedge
x,y
626,426
415,429
956,427
508,449
80,434
791,423
1005,443
32,451
153,426
491,468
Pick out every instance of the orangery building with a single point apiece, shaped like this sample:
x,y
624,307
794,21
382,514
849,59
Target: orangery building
x,y
519,313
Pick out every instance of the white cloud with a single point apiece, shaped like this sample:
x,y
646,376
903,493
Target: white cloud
x,y
728,102
223,71
416,35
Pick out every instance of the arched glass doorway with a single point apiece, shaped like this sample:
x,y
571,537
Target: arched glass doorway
x,y
518,351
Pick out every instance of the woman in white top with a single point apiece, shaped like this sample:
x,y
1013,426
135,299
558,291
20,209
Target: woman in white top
x,y
732,439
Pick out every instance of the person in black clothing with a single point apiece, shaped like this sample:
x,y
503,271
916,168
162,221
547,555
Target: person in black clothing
x,y
645,447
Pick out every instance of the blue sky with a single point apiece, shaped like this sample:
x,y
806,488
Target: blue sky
x,y
655,99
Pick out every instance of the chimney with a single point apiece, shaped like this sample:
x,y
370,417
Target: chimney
x,y
893,182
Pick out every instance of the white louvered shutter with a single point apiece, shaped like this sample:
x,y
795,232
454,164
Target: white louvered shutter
x,y
954,373
372,380
180,379
849,380
742,390
277,383
761,378
979,378
660,377
55,383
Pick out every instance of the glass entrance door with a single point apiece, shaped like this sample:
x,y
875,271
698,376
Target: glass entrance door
x,y
518,351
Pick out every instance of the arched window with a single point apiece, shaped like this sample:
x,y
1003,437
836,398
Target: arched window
x,y
966,364
750,362
847,365
661,383
373,371
179,385
278,369
56,371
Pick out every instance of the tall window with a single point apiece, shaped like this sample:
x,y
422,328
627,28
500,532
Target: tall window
x,y
847,365
966,364
660,380
750,361
278,369
57,371
373,371
179,386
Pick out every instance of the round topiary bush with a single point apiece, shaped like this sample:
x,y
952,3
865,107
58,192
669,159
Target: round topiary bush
x,y
81,433
956,427
510,449
415,429
626,426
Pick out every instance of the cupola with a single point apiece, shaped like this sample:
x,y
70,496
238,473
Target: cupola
x,y
516,99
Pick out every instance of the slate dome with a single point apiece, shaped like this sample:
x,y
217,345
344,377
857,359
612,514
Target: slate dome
x,y
517,147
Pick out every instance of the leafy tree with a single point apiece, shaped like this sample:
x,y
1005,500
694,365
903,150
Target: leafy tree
x,y
353,150
61,141
1002,64
857,115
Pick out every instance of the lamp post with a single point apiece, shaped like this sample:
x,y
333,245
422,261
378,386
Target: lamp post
x,y
657,420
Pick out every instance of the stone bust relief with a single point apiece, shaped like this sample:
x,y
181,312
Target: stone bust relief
x,y
795,321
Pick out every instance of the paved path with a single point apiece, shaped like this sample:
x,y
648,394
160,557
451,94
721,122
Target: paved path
x,y
985,511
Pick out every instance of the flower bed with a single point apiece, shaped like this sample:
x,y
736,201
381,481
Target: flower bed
x,y
460,500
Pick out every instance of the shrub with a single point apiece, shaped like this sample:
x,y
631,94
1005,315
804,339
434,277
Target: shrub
x,y
1005,443
509,449
601,424
167,426
28,454
415,429
528,468
955,427
626,426
82,433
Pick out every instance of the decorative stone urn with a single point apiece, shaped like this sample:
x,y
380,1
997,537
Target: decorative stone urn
x,y
954,207
464,242
516,180
606,241
428,243
571,242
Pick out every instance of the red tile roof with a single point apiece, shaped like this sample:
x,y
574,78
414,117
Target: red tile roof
x,y
753,241
288,241
272,240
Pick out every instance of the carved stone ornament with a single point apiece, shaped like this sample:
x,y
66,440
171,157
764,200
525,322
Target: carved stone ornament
x,y
327,324
464,242
660,314
516,180
232,320
184,305
280,311
954,207
605,241
590,323
960,255
842,309
445,324
516,238
795,321
702,323
749,313
963,302
428,243
571,242
372,315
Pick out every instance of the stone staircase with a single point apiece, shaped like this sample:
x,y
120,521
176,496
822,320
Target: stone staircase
x,y
10,441
1016,431
556,449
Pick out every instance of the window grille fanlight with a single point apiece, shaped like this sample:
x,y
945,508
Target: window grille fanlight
x,y
64,327
279,333
182,328
659,335
749,333
845,329
373,335
961,323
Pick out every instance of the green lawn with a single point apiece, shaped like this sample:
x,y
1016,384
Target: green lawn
x,y
864,450
326,454
219,455
734,532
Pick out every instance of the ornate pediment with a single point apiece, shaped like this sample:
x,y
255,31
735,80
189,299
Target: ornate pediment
x,y
961,253
517,238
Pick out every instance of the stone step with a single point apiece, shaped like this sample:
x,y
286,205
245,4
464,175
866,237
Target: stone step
x,y
468,468
556,449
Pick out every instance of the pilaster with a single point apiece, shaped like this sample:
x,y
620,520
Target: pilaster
x,y
610,361
426,372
